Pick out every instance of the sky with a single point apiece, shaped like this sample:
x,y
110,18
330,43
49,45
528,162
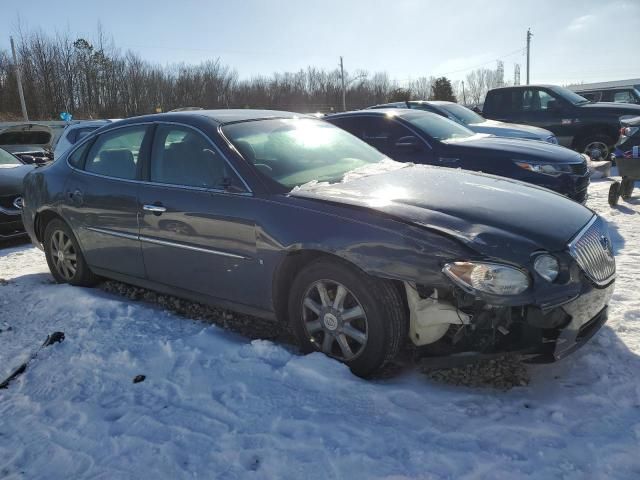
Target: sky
x,y
574,41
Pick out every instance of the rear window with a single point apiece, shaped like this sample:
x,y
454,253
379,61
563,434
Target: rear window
x,y
24,138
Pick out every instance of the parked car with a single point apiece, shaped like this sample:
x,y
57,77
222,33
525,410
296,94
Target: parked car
x,y
629,94
75,132
12,173
591,128
475,122
427,138
290,218
31,142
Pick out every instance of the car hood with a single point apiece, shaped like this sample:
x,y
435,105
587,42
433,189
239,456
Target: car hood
x,y
11,177
504,129
518,149
493,215
613,108
26,135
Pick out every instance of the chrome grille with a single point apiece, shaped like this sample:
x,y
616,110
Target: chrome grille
x,y
593,251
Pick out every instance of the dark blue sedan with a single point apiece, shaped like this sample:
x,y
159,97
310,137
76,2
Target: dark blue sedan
x,y
426,138
293,219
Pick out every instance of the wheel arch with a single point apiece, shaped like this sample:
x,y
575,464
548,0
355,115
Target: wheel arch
x,y
294,261
42,219
606,129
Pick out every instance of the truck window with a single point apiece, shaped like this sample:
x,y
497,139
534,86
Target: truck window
x,y
535,100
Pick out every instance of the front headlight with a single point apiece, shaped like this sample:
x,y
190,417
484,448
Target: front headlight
x,y
552,139
547,267
544,168
492,278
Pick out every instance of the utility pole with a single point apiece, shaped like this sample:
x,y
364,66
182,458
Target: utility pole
x,y
19,77
464,97
529,35
344,94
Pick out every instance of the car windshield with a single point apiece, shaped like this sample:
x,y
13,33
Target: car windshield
x,y
570,96
298,150
466,116
437,127
7,159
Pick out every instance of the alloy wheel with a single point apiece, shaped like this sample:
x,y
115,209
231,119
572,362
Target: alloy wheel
x,y
63,254
334,320
597,150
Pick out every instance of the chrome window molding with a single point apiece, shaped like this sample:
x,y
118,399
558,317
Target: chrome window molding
x,y
157,241
249,192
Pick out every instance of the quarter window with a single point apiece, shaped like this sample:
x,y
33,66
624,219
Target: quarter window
x,y
536,100
116,153
182,156
623,97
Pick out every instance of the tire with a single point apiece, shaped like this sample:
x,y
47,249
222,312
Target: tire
x,y
373,338
626,189
614,193
64,257
596,143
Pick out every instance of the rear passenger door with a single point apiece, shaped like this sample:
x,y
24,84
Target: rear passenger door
x,y
101,198
197,229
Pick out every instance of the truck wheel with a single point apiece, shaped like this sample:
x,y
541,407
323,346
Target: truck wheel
x,y
597,146
348,315
614,193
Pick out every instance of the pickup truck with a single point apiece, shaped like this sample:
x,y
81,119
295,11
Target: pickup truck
x,y
591,128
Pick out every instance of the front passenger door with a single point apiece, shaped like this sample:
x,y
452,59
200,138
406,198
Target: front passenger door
x,y
197,229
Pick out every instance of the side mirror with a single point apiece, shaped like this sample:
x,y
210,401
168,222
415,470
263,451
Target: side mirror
x,y
408,143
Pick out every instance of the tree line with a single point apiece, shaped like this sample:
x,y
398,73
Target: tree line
x,y
95,79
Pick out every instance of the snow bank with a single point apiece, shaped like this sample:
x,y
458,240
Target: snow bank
x,y
215,405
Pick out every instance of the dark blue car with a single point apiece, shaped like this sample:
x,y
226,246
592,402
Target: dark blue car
x,y
426,138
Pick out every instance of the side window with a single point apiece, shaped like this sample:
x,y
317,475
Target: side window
x,y
79,133
115,153
593,96
623,96
182,156
503,101
381,133
77,157
535,100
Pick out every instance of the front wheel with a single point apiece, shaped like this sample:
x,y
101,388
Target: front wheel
x,y
348,315
64,257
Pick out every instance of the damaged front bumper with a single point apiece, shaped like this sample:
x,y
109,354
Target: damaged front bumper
x,y
476,329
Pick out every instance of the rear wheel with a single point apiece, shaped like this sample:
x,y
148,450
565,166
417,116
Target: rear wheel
x,y
597,146
347,315
64,257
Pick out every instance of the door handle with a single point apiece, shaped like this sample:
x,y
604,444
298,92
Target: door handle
x,y
155,209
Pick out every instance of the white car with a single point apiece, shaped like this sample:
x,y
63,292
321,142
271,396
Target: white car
x,y
75,132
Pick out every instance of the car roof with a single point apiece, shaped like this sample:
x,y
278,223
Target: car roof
x,y
381,112
537,85
221,116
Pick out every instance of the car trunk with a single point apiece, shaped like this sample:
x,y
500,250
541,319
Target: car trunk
x,y
30,141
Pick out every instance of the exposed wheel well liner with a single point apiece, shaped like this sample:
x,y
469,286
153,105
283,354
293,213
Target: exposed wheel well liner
x,y
607,130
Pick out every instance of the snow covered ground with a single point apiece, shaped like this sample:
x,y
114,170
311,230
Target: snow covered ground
x,y
216,405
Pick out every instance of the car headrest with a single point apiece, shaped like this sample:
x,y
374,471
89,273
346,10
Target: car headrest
x,y
117,163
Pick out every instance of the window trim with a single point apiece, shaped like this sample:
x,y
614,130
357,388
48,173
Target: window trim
x,y
147,166
92,137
